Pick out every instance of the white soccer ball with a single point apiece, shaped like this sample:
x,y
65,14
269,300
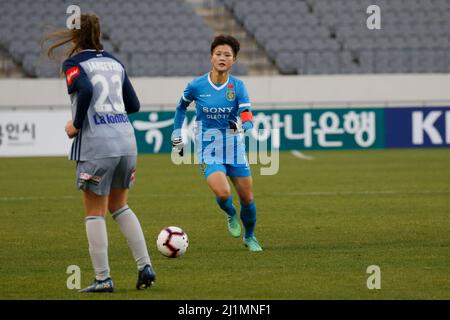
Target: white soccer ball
x,y
172,242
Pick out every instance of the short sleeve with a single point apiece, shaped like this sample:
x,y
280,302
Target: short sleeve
x,y
72,71
242,97
188,93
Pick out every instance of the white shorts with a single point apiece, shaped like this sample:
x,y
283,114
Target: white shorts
x,y
100,175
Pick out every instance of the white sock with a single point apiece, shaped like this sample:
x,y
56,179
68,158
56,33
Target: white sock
x,y
131,229
98,245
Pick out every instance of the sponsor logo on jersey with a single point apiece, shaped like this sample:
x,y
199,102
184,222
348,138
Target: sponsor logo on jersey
x,y
217,112
231,94
71,74
110,118
217,109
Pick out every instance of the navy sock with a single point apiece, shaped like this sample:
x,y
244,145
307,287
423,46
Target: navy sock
x,y
248,217
227,205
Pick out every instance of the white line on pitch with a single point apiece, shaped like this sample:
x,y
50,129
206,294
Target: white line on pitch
x,y
285,194
301,155
361,193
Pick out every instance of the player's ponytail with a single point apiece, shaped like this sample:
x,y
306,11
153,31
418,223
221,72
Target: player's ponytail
x,y
87,37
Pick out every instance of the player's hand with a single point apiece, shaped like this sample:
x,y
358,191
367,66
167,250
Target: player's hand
x,y
247,125
71,131
177,145
235,127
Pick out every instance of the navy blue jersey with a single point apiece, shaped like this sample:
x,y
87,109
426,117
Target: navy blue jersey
x,y
101,96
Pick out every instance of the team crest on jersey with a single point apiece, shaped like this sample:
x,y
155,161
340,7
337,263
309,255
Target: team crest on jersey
x,y
231,94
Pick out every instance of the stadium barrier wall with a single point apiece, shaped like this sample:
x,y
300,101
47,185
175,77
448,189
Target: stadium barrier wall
x,y
265,92
34,133
314,112
319,129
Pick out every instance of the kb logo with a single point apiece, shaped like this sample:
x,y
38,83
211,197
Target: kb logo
x,y
431,124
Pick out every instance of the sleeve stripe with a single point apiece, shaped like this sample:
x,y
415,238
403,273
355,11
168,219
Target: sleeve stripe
x,y
245,105
185,99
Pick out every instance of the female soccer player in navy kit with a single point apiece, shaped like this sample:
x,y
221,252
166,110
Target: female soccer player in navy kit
x,y
104,146
220,99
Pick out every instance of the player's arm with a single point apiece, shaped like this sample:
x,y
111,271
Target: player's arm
x,y
246,118
77,82
180,115
244,110
246,121
130,98
245,107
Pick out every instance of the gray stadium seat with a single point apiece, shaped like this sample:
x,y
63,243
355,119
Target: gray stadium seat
x,y
130,27
415,34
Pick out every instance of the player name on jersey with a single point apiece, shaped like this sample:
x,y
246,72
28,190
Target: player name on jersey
x,y
103,66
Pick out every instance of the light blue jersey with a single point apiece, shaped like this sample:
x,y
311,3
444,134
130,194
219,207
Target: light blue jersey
x,y
216,105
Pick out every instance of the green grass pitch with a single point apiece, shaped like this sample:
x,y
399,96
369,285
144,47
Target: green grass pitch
x,y
321,222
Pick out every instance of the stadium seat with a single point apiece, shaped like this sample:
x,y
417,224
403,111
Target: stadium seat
x,y
129,28
135,28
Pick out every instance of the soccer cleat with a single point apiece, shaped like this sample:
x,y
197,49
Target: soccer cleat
x,y
146,277
100,286
252,244
233,226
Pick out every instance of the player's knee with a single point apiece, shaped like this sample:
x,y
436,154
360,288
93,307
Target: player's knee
x,y
246,199
222,194
113,207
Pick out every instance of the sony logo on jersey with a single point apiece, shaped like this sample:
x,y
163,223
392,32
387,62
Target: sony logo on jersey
x,y
217,109
103,66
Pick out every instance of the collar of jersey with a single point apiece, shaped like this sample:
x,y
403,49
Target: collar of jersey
x,y
216,87
91,50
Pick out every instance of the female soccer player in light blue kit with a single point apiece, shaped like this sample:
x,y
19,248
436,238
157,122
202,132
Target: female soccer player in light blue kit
x,y
220,99
104,146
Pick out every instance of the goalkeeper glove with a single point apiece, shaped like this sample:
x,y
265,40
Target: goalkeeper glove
x,y
247,125
177,145
235,126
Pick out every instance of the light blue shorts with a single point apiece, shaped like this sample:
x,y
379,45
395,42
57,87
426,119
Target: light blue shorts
x,y
228,169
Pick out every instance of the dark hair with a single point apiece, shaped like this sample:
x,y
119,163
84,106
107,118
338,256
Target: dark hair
x,y
226,39
87,37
